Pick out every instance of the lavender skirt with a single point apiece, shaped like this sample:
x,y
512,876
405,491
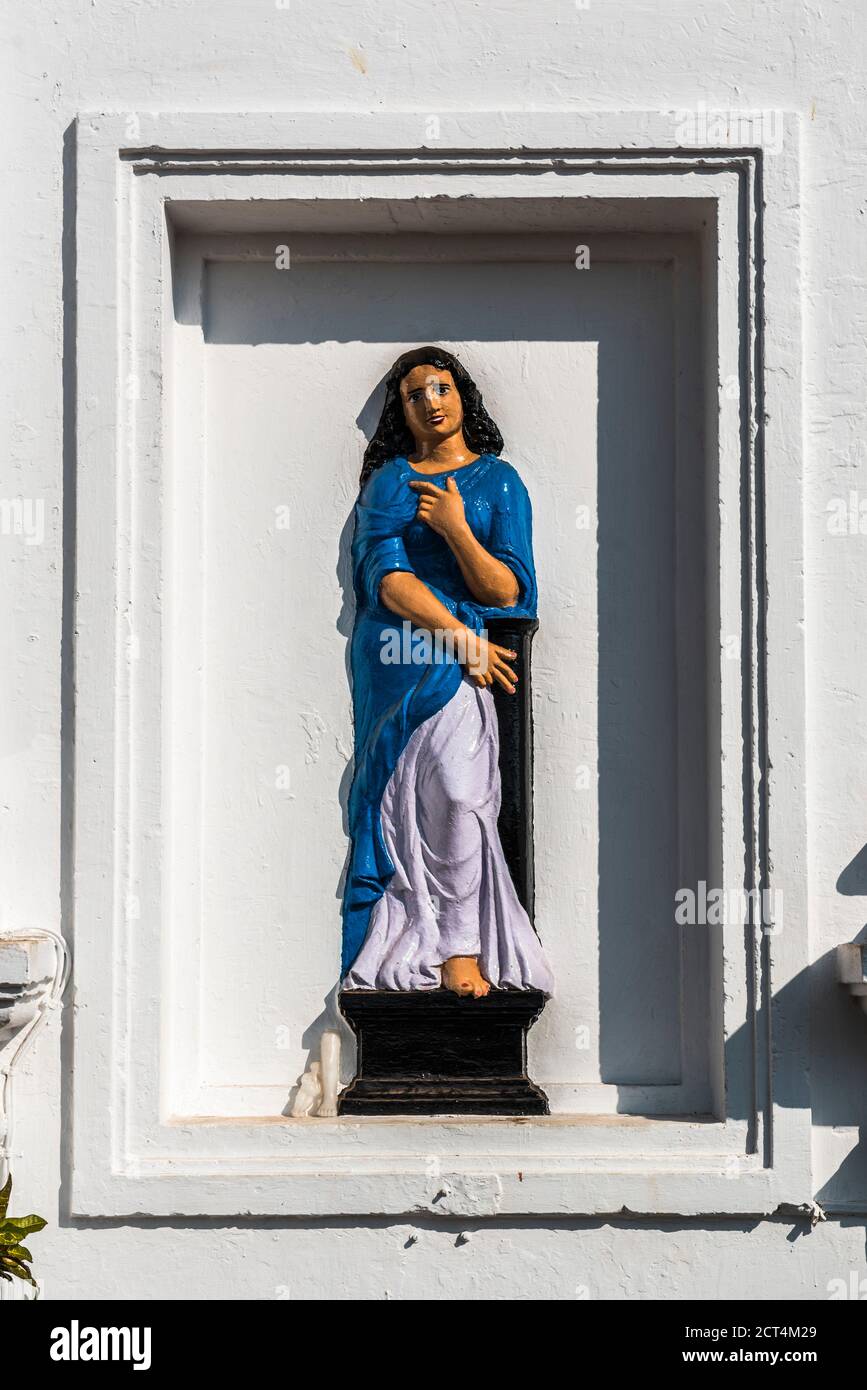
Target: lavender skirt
x,y
451,893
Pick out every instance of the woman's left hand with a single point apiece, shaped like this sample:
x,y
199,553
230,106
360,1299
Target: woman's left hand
x,y
442,510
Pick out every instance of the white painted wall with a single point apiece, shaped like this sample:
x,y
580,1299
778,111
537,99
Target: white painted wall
x,y
257,56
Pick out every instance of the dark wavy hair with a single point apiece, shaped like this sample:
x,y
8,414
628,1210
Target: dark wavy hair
x,y
393,437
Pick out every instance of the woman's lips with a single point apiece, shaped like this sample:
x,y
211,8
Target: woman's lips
x,y
435,419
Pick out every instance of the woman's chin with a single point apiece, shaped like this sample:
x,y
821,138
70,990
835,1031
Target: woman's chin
x,y
435,434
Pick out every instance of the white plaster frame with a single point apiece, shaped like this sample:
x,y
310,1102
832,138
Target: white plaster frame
x,y
130,1158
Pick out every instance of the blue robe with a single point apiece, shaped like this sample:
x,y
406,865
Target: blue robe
x,y
392,699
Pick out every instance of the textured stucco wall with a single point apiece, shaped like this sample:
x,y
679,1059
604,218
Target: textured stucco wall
x,y
258,55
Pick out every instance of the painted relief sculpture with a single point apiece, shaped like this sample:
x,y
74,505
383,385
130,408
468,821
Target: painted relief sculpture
x,y
442,545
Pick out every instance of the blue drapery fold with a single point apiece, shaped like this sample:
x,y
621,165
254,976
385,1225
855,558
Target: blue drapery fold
x,y
391,699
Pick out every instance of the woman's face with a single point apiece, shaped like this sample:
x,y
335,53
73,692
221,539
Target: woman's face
x,y
432,404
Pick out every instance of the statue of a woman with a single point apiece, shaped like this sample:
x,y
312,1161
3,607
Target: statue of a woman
x,y
442,542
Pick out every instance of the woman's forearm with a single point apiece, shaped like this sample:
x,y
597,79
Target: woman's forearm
x,y
488,579
408,597
485,662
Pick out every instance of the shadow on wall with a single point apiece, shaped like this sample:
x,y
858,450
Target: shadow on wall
x,y
839,1031
331,1018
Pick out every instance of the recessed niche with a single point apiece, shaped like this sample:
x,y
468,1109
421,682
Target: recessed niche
x,y
280,339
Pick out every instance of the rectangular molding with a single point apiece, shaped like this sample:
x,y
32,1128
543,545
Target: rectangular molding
x,y
243,175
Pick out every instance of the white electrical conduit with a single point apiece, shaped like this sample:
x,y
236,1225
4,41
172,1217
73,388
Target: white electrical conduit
x,y
49,1000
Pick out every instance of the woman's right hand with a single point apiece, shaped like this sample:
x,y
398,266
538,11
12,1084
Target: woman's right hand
x,y
487,662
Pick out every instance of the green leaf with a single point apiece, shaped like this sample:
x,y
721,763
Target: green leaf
x,y
17,1252
8,1237
4,1196
25,1224
19,1270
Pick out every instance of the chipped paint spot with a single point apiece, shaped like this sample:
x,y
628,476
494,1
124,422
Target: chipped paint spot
x,y
314,727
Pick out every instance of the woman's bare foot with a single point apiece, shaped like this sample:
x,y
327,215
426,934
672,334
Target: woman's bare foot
x,y
461,974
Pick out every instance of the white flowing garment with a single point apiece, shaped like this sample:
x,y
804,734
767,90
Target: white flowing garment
x,y
451,893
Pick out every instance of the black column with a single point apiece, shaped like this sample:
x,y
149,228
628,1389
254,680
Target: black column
x,y
515,722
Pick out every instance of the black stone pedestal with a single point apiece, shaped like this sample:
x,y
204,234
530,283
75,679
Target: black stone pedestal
x,y
431,1052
